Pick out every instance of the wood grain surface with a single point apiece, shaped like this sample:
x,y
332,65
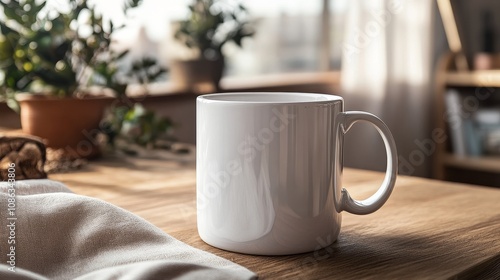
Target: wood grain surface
x,y
428,229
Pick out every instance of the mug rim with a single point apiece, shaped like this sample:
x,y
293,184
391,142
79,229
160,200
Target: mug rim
x,y
253,98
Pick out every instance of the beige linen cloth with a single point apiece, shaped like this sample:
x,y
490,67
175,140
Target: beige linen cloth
x,y
62,235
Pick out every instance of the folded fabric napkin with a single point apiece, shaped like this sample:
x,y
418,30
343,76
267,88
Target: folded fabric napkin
x,y
53,233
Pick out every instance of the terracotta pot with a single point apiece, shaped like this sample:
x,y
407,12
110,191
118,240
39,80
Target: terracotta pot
x,y
192,74
67,123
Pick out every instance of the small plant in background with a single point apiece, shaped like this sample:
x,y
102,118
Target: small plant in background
x,y
110,75
44,50
129,123
211,24
134,125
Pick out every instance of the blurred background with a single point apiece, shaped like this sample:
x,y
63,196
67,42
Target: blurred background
x,y
289,37
397,59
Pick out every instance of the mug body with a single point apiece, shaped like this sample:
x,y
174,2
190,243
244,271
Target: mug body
x,y
267,169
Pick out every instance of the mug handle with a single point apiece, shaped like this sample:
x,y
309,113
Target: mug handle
x,y
374,202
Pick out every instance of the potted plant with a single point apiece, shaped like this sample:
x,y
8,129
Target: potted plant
x,y
51,55
209,26
128,124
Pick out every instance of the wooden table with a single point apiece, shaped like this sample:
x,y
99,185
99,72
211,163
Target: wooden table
x,y
427,229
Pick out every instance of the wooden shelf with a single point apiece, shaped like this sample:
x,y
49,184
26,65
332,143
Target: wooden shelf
x,y
484,170
483,78
485,163
276,81
280,80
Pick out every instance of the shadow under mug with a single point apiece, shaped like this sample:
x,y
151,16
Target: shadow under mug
x,y
269,169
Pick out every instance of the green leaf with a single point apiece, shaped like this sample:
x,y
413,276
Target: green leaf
x,y
36,8
7,30
201,28
14,14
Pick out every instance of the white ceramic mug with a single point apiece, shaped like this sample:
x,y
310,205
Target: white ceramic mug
x,y
269,169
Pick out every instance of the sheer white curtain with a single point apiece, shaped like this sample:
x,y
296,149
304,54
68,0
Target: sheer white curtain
x,y
387,68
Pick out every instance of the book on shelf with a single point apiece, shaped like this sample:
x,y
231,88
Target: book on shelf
x,y
454,117
472,138
472,132
487,121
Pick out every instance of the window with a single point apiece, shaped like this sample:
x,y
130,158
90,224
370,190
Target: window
x,y
289,34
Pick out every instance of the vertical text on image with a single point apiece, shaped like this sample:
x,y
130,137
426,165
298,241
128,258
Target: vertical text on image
x,y
11,217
